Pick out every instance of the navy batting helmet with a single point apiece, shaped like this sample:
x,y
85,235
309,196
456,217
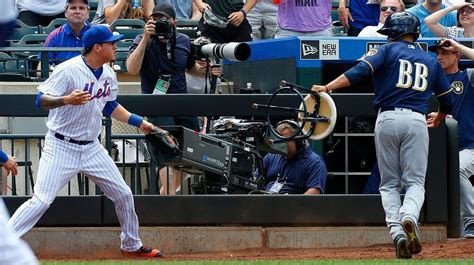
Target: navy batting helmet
x,y
399,24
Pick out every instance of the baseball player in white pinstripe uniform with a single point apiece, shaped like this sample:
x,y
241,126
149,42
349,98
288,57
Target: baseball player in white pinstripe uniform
x,y
12,249
78,93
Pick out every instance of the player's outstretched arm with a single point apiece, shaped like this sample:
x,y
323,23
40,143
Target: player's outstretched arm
x,y
123,115
341,81
77,97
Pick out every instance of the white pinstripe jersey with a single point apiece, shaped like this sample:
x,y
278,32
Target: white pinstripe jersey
x,y
80,122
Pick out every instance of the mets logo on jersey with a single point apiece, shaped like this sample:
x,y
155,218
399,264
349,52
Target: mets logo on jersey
x,y
458,87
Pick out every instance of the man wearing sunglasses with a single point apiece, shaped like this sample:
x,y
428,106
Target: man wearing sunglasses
x,y
387,7
427,8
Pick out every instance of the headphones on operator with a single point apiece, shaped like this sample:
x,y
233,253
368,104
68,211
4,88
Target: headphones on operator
x,y
300,143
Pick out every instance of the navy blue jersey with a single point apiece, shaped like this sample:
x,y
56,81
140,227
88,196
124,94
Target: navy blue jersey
x,y
463,109
405,76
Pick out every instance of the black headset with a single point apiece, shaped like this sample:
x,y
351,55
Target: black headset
x,y
300,143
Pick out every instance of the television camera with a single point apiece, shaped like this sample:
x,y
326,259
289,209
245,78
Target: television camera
x,y
229,157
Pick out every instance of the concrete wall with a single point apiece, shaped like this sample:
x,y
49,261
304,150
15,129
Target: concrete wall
x,y
104,242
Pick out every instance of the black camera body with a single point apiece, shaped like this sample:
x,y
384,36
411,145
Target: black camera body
x,y
163,28
196,46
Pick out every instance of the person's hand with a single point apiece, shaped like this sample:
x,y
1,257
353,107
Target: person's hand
x,y
461,5
433,120
202,7
344,16
216,70
149,28
236,18
10,166
146,127
77,97
319,88
451,45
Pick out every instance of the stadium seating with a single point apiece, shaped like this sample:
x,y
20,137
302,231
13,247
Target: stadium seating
x,y
11,69
21,30
93,9
188,27
56,23
130,28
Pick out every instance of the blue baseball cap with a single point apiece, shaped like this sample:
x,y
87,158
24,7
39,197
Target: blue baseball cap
x,y
99,34
439,44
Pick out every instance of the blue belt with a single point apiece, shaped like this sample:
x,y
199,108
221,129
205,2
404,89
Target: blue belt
x,y
387,108
67,139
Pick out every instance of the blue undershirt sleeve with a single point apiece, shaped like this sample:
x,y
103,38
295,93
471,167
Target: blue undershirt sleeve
x,y
38,100
109,107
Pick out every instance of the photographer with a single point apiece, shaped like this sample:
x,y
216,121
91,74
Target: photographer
x,y
162,56
301,171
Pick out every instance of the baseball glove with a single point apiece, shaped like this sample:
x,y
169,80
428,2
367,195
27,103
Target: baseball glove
x,y
162,139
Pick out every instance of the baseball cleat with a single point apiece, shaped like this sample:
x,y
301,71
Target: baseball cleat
x,y
401,250
145,252
413,236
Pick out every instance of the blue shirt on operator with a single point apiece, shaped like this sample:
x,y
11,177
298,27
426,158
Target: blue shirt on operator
x,y
299,173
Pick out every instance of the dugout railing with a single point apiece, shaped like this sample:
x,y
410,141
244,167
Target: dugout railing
x,y
442,183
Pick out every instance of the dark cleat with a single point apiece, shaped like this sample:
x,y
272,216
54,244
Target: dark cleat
x,y
401,250
144,252
413,236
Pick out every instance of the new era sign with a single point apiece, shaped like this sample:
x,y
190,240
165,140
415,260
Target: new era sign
x,y
319,50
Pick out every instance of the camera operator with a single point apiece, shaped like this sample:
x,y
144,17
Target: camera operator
x,y
162,56
301,171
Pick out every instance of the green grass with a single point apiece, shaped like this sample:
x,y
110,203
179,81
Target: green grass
x,y
267,262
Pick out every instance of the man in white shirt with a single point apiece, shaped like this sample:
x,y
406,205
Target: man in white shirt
x,y
387,7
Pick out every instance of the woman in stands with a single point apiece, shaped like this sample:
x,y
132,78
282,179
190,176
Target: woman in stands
x,y
110,10
465,27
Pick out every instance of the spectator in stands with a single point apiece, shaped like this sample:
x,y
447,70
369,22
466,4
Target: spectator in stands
x,y
69,34
225,20
40,12
465,19
110,10
185,9
162,60
262,18
387,7
360,14
301,171
427,8
300,18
